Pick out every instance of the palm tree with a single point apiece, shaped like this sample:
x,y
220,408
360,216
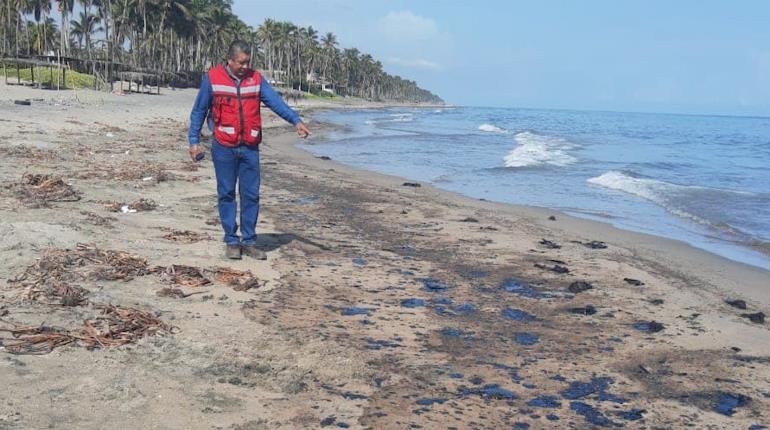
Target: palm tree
x,y
188,36
84,28
40,10
329,50
65,9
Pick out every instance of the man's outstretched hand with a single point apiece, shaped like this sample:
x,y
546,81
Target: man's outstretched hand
x,y
302,131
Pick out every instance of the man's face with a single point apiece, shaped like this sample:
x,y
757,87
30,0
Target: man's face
x,y
239,64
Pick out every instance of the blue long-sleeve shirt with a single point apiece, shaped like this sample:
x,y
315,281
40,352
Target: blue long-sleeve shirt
x,y
203,101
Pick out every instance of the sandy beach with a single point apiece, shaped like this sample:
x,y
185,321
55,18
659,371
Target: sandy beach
x,y
383,304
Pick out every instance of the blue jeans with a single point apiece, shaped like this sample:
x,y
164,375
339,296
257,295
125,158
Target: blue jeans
x,y
241,165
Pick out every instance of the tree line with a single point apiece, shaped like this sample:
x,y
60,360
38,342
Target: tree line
x,y
186,37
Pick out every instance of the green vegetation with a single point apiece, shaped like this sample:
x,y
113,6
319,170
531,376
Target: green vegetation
x,y
187,36
43,74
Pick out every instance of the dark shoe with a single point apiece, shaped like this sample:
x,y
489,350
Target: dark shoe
x,y
254,252
233,252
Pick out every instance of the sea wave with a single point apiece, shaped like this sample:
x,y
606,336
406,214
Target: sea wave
x,y
538,150
395,117
675,198
491,128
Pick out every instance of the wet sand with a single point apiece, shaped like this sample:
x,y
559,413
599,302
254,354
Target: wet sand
x,y
381,305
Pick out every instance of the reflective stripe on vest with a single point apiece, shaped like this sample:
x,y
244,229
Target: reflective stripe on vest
x,y
251,89
224,89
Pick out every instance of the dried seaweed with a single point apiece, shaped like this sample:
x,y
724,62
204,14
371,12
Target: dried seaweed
x,y
186,275
141,205
86,261
96,219
176,293
37,190
64,294
114,326
118,326
185,236
240,280
35,340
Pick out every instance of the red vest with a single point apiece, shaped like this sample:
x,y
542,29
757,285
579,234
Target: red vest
x,y
236,110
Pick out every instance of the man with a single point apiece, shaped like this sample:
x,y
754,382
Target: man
x,y
232,92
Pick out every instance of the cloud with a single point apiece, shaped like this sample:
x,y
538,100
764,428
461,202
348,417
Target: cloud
x,y
418,63
406,26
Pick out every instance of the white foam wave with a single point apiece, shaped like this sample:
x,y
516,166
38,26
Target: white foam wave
x,y
491,128
538,150
672,197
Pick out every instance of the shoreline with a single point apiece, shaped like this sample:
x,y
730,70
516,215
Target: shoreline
x,y
380,305
757,286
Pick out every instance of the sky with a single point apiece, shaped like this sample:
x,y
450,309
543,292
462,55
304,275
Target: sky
x,y
684,56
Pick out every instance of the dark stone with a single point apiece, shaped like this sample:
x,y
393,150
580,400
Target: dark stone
x,y
411,184
442,301
428,402
451,332
465,308
585,310
649,326
740,304
328,421
632,415
324,157
756,318
355,311
433,285
579,286
634,282
552,218
359,262
517,315
442,311
726,403
544,402
469,219
552,417
412,303
578,389
456,375
555,268
343,425
379,344
656,302
521,426
595,244
549,244
591,415
353,396
489,391
522,289
527,339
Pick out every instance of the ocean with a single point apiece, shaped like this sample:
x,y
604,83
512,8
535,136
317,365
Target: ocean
x,y
704,180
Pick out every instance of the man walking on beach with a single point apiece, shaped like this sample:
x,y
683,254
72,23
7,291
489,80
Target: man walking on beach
x,y
232,93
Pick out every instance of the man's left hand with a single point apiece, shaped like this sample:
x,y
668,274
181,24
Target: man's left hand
x,y
302,130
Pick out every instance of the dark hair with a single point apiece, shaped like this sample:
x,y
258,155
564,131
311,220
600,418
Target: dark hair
x,y
236,47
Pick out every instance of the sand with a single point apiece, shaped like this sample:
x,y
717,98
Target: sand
x,y
329,336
